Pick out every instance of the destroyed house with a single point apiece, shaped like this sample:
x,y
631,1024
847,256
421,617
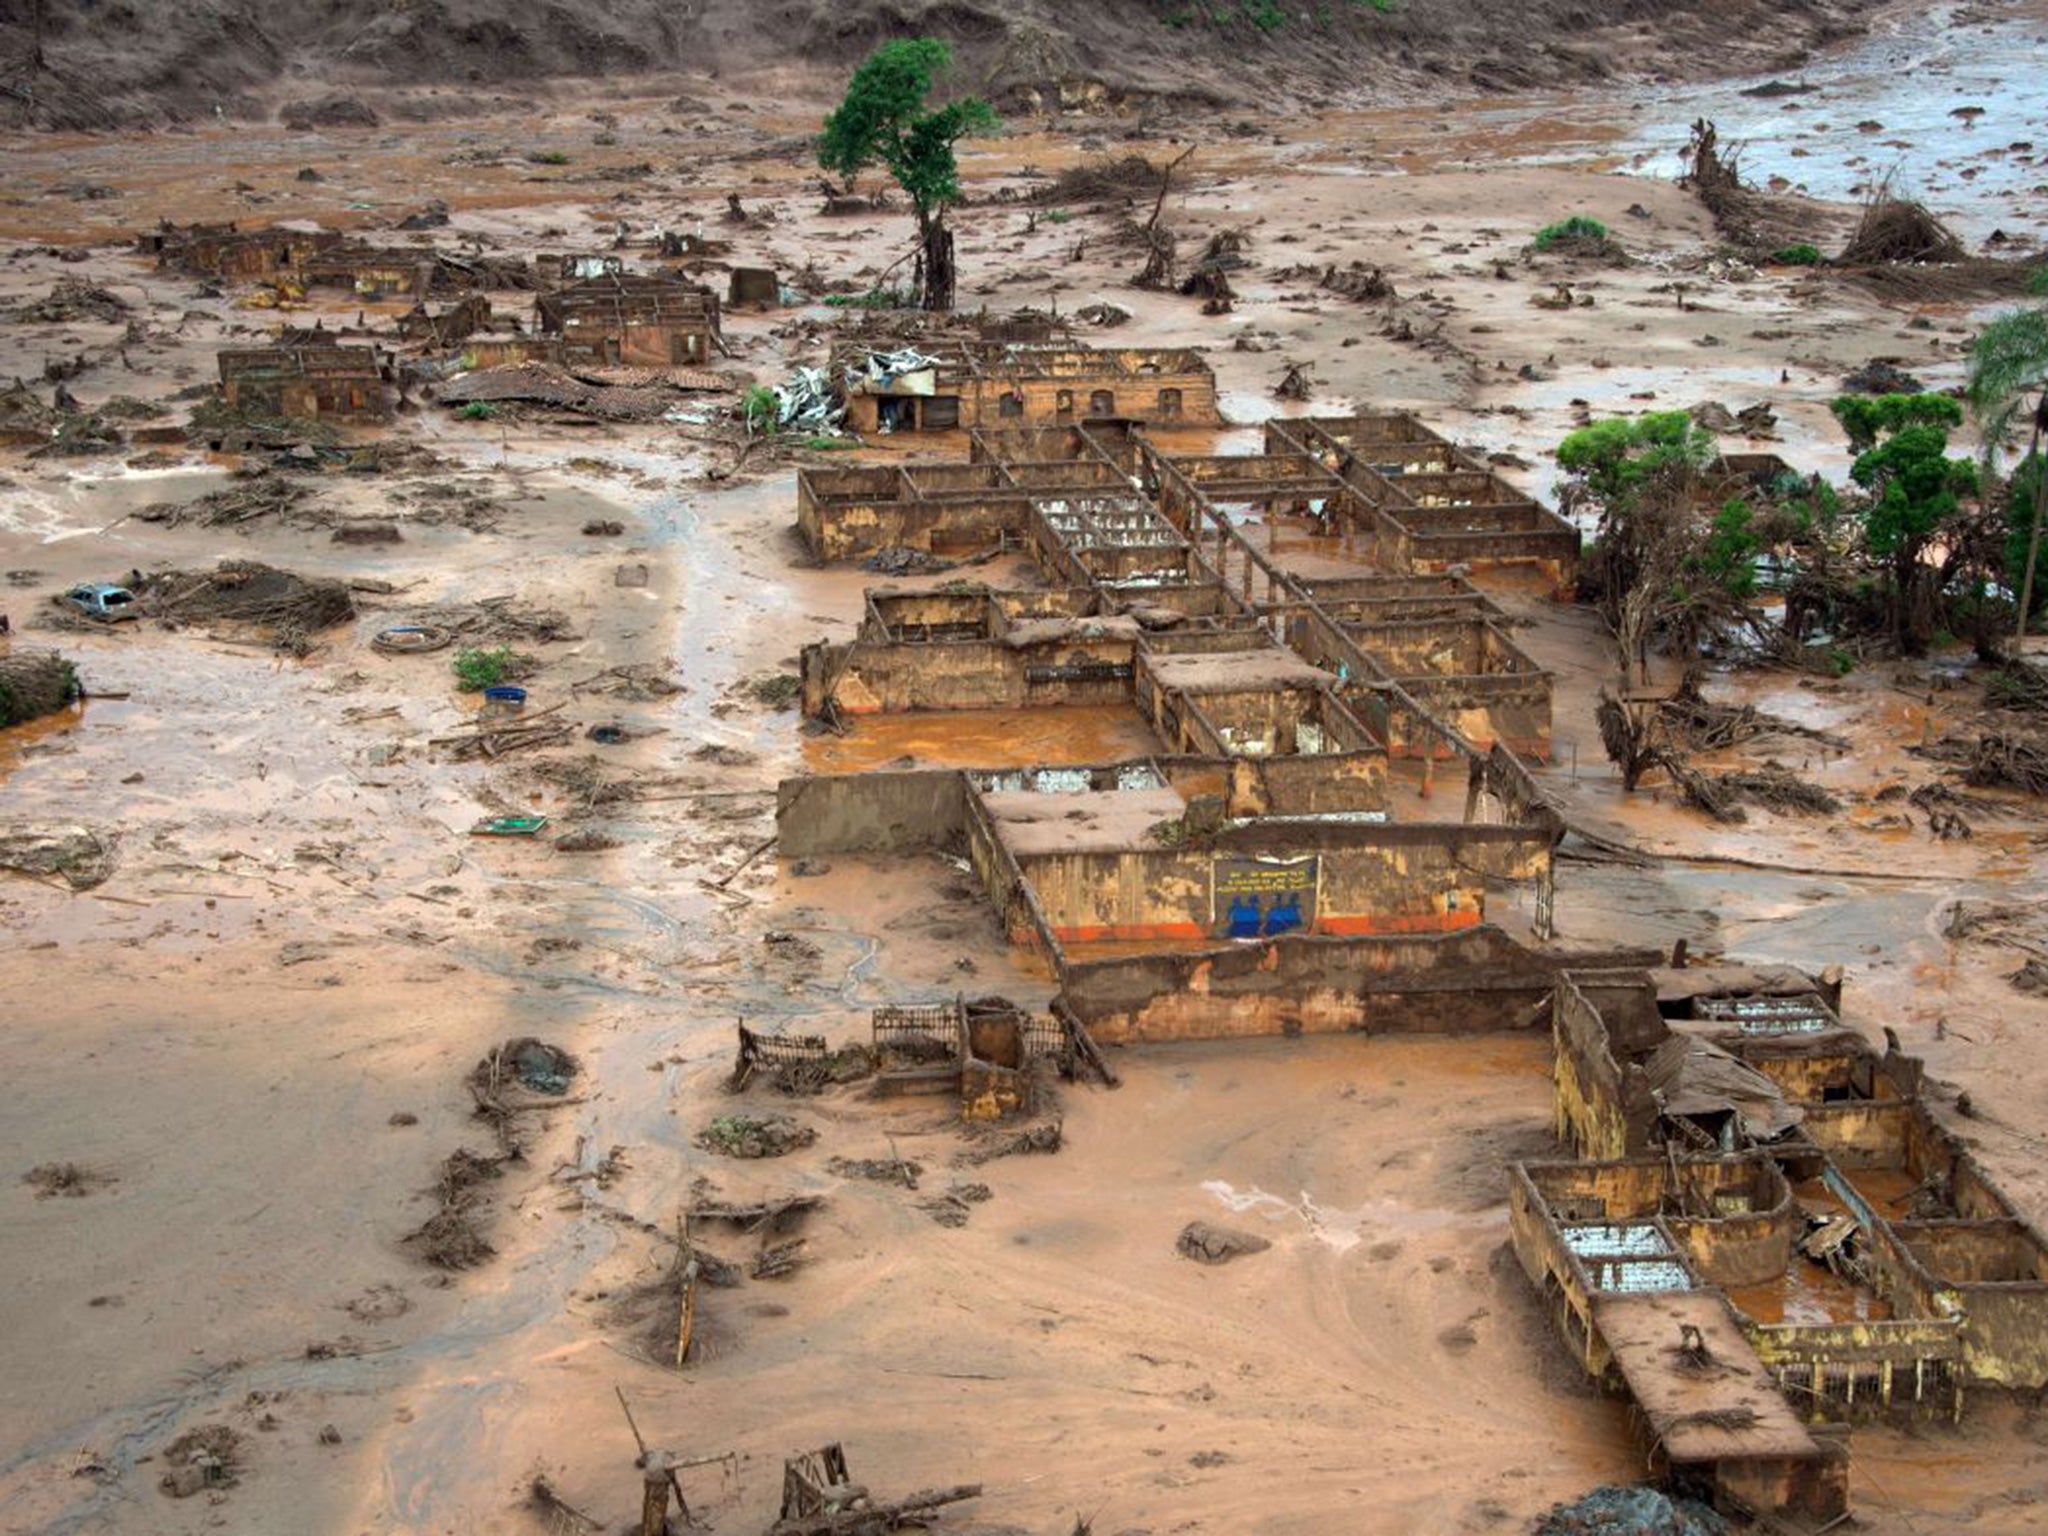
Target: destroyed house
x,y
646,322
1429,505
957,385
1100,509
595,267
374,273
323,383
1755,1165
223,250
454,324
1101,506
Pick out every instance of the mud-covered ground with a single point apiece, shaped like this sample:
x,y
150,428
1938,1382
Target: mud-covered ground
x,y
294,59
253,1037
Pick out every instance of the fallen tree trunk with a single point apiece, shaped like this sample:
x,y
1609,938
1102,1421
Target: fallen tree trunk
x,y
875,1517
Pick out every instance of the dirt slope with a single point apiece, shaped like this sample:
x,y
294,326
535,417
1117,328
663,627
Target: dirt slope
x,y
124,61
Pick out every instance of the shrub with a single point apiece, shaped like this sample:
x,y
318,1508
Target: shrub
x,y
776,690
476,670
874,298
759,409
549,157
478,410
1798,256
1576,230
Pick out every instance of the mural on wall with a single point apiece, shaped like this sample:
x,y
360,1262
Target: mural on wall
x,y
1256,898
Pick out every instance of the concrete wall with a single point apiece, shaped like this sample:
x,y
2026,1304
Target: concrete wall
x,y
864,679
1475,982
869,813
1383,878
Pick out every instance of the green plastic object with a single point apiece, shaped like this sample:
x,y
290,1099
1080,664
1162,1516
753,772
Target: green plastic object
x,y
508,826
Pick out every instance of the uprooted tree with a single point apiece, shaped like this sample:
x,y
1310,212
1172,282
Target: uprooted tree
x,y
884,121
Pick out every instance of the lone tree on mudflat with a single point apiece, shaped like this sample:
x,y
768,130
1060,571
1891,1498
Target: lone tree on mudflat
x,y
884,120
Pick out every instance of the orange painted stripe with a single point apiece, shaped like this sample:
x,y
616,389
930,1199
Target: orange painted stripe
x,y
1363,924
1113,932
1421,922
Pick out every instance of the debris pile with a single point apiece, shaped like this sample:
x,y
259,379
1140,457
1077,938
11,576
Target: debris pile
x,y
69,300
1207,1243
1102,181
254,499
1638,1511
453,1237
1357,281
82,857
493,736
1896,230
546,385
207,1457
804,401
288,607
35,683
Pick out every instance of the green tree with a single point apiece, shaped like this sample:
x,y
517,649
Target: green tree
x,y
884,121
1666,562
2009,363
1913,498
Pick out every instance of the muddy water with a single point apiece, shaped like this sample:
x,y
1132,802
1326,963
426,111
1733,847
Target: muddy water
x,y
1892,101
995,738
1888,101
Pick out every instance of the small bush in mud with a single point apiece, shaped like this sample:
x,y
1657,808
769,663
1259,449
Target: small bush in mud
x,y
549,157
874,298
777,690
755,1135
1578,230
478,410
759,409
476,670
1798,256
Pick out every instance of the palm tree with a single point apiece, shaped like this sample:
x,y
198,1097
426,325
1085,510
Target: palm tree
x,y
2008,364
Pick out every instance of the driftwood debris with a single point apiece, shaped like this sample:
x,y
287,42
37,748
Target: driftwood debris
x,y
499,737
754,1214
820,1498
1897,230
887,1516
1084,1044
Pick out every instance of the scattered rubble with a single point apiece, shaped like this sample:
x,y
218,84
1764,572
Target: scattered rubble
x,y
1631,1512
81,856
209,1457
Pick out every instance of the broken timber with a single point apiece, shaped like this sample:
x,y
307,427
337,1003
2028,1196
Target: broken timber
x,y
1084,1044
885,1516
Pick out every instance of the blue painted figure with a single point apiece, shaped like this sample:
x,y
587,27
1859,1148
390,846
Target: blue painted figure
x,y
1285,914
1244,918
